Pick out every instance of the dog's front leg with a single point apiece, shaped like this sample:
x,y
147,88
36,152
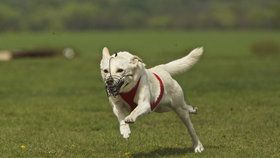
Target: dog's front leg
x,y
143,105
120,113
141,109
124,127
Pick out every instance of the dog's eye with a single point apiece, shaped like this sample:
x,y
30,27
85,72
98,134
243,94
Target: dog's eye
x,y
120,70
105,71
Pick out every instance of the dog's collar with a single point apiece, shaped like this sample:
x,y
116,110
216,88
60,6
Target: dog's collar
x,y
129,96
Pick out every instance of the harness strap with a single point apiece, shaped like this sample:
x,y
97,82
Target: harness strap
x,y
155,104
128,97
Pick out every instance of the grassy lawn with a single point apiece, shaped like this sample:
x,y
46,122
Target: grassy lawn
x,y
58,108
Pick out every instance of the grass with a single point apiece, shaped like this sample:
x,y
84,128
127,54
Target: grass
x,y
58,108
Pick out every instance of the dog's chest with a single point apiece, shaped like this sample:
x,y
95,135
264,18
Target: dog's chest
x,y
130,97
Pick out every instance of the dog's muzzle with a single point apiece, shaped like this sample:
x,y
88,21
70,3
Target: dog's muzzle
x,y
113,85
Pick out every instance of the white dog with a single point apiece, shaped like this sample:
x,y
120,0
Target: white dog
x,y
134,90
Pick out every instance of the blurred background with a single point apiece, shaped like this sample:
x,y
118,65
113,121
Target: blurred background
x,y
78,15
56,107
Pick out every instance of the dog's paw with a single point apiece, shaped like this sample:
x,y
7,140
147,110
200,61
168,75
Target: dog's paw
x,y
129,119
125,130
193,110
198,148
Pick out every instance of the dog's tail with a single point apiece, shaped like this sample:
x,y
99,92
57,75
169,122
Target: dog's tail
x,y
181,65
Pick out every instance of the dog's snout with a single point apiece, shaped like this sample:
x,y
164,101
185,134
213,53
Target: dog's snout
x,y
110,81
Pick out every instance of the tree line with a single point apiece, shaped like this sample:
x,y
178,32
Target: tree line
x,y
41,15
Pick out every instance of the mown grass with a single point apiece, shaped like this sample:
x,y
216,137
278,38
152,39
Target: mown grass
x,y
58,108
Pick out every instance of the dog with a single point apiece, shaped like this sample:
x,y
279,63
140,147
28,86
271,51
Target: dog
x,y
134,90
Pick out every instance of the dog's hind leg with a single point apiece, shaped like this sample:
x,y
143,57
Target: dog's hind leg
x,y
188,106
180,107
185,117
191,109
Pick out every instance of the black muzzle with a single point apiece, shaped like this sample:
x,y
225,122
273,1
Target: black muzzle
x,y
113,85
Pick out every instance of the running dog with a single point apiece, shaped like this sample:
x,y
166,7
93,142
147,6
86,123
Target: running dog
x,y
134,90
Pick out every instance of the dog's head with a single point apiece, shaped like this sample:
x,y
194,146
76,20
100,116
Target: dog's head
x,y
120,71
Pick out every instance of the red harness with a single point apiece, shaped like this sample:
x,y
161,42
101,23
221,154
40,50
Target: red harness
x,y
128,97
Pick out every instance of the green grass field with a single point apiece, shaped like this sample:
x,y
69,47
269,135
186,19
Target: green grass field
x,y
58,108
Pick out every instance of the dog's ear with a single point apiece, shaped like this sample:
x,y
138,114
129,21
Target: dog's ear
x,y
105,53
135,59
137,62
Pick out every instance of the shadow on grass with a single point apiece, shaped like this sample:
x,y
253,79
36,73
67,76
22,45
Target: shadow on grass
x,y
163,152
167,152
